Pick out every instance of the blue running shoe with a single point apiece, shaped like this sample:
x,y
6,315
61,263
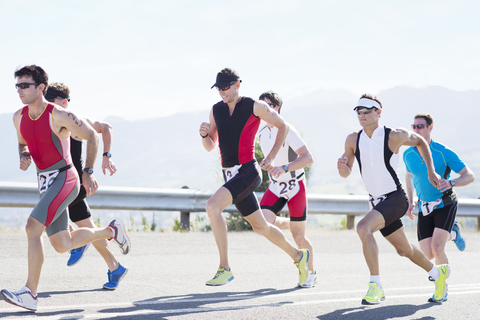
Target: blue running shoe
x,y
459,240
115,277
76,255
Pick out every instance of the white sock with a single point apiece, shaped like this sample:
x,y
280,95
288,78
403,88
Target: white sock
x,y
434,273
376,279
453,233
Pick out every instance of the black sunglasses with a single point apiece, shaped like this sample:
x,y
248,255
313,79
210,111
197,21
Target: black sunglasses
x,y
24,85
224,89
419,126
365,110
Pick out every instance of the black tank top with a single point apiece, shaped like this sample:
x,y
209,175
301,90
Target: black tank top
x,y
236,132
76,152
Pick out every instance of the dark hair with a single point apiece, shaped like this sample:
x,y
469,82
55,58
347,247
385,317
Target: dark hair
x,y
229,71
60,87
424,115
273,97
37,73
371,97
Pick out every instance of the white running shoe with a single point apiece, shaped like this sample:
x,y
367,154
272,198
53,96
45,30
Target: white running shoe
x,y
312,280
23,298
120,235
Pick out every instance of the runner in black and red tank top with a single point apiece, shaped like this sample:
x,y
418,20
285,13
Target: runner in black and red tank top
x,y
236,132
43,132
234,122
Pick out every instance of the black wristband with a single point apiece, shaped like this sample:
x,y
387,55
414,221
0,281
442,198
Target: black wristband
x,y
203,137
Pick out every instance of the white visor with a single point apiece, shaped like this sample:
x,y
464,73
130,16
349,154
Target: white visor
x,y
367,103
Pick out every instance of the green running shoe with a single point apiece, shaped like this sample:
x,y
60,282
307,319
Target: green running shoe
x,y
302,267
221,277
374,294
441,288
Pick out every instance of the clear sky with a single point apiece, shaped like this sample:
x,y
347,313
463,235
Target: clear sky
x,y
140,59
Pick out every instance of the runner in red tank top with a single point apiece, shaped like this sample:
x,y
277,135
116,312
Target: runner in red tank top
x,y
234,123
43,132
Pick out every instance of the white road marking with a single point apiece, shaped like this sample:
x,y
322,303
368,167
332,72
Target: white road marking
x,y
453,290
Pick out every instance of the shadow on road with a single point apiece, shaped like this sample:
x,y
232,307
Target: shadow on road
x,y
48,294
195,303
378,313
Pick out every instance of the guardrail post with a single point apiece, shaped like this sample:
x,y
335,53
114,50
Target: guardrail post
x,y
185,217
350,222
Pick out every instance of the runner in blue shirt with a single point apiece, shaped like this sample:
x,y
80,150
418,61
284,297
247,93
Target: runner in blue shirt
x,y
437,206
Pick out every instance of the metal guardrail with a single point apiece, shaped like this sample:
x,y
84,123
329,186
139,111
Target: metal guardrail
x,y
25,195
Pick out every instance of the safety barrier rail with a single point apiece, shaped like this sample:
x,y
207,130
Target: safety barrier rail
x,y
26,195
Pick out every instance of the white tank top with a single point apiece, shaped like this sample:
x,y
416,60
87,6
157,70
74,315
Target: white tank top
x,y
286,154
378,164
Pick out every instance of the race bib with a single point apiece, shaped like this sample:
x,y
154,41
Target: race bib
x,y
45,180
428,207
372,202
286,189
228,174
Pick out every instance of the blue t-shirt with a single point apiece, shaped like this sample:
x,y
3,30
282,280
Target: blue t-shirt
x,y
444,159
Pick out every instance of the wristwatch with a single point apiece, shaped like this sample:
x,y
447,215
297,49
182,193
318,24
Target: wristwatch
x,y
88,170
453,183
108,154
285,168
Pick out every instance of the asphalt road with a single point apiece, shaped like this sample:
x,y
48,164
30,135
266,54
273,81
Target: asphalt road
x,y
167,274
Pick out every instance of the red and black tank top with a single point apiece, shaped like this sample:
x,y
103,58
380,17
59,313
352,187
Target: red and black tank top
x,y
236,132
48,149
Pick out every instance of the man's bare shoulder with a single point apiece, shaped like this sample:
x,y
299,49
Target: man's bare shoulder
x,y
17,113
399,134
16,116
261,109
58,111
260,104
352,138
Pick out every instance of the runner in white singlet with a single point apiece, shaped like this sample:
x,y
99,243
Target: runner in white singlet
x,y
287,183
376,150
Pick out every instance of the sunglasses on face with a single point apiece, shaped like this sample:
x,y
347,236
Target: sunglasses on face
x,y
419,126
365,110
24,85
224,89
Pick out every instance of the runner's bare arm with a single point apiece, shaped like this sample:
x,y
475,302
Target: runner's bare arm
x,y
466,177
107,137
402,137
304,159
209,131
345,163
66,121
409,187
23,152
270,116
